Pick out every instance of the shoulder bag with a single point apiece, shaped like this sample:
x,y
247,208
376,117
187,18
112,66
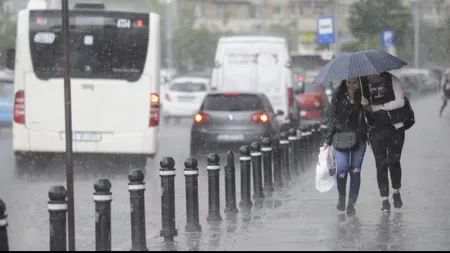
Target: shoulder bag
x,y
403,115
346,140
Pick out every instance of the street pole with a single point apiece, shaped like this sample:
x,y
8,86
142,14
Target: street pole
x,y
416,32
169,34
68,123
262,30
336,15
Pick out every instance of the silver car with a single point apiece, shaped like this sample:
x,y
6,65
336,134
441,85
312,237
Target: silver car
x,y
228,120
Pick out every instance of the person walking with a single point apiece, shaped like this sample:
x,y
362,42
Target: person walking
x,y
445,86
386,138
347,135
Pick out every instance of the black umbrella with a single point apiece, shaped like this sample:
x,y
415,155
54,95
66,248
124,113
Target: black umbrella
x,y
358,64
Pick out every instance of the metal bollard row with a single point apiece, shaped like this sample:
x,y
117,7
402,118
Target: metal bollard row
x,y
268,166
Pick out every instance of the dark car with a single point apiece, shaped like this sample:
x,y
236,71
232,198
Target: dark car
x,y
232,119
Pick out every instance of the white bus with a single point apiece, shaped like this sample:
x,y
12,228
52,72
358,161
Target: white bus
x,y
115,65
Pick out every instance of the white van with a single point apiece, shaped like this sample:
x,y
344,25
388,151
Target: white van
x,y
115,68
256,63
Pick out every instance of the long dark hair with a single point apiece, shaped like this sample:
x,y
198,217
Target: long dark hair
x,y
342,90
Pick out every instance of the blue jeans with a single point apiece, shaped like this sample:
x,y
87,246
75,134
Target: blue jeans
x,y
346,163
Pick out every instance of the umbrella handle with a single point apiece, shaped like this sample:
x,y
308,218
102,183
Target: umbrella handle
x,y
362,95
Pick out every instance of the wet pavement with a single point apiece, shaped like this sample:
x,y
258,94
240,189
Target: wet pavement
x,y
301,218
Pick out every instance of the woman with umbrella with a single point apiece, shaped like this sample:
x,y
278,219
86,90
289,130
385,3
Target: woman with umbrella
x,y
386,138
385,94
347,133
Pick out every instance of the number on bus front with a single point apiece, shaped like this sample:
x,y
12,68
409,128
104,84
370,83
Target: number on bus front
x,y
123,23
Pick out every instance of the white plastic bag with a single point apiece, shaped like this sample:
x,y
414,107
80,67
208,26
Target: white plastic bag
x,y
324,181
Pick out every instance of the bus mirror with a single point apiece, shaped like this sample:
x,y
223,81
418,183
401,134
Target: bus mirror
x,y
10,58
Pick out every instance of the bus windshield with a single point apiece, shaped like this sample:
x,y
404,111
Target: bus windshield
x,y
107,45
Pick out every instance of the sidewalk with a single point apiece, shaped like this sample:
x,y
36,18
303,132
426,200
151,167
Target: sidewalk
x,y
310,221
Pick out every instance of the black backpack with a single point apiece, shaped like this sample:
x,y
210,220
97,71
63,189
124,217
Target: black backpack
x,y
446,88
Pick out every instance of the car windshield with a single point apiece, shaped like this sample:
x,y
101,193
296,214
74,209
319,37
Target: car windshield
x,y
311,88
232,102
188,86
6,88
308,87
308,62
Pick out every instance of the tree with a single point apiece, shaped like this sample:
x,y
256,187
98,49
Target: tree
x,y
7,29
368,18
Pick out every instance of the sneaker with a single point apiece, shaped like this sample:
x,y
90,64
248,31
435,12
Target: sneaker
x,y
398,203
351,209
385,206
341,204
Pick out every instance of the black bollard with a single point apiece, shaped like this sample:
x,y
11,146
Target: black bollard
x,y
308,147
293,156
304,145
213,167
277,171
245,160
284,146
57,208
317,141
4,245
230,184
167,174
313,144
136,187
323,131
102,199
192,209
258,194
266,150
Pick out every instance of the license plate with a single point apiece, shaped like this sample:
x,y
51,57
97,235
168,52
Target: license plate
x,y
84,136
230,137
186,99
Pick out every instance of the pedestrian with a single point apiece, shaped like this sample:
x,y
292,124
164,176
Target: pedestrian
x,y
445,91
347,135
385,137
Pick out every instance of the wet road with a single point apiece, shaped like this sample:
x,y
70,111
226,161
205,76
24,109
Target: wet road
x,y
306,220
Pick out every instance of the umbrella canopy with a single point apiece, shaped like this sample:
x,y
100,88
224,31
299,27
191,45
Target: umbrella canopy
x,y
358,64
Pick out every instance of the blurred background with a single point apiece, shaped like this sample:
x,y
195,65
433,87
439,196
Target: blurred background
x,y
192,27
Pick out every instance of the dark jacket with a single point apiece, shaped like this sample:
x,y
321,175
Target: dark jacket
x,y
380,93
342,116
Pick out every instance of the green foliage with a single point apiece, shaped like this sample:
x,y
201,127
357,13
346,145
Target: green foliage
x,y
369,17
7,29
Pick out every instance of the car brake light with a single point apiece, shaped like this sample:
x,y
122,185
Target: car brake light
x,y
316,102
290,101
201,118
261,118
154,110
168,97
231,94
291,96
19,107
